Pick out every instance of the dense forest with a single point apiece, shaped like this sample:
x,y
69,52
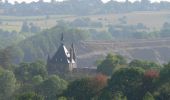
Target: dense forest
x,y
115,79
26,44
24,77
85,7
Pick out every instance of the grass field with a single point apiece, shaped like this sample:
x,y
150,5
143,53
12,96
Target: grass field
x,y
153,20
150,19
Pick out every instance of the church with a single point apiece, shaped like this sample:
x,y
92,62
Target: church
x,y
63,61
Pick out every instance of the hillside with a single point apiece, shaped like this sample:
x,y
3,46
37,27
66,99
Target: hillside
x,y
88,52
156,50
94,45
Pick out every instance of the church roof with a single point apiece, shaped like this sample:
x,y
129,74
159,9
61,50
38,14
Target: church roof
x,y
62,55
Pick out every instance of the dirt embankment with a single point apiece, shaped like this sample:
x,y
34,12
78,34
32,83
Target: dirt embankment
x,y
88,52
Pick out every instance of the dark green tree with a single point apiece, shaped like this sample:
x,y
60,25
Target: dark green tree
x,y
165,73
162,92
144,64
148,96
79,89
27,71
110,63
8,85
86,88
119,96
52,87
29,96
5,58
150,81
129,81
106,94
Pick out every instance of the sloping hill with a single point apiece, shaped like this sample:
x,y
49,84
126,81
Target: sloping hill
x,y
46,43
152,50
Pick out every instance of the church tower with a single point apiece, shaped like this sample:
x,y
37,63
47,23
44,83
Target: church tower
x,y
63,61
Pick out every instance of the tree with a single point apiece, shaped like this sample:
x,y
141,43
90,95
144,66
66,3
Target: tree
x,y
26,71
162,92
5,58
144,64
98,83
165,30
109,63
165,73
86,88
106,94
52,87
25,27
150,80
38,46
22,73
127,80
62,98
119,96
8,85
37,80
29,96
79,89
38,68
148,96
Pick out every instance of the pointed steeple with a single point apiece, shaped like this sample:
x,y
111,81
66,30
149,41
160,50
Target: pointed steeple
x,y
71,55
73,50
62,38
72,45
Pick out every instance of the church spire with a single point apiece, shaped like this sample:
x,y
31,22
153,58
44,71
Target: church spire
x,y
74,53
62,38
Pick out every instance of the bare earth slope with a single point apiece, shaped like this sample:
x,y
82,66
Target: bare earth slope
x,y
153,50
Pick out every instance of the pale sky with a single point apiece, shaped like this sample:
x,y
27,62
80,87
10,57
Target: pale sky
x,y
12,1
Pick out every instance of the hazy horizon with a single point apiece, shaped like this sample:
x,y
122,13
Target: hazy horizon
x,y
28,1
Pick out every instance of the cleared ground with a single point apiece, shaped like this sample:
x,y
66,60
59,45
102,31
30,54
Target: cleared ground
x,y
156,50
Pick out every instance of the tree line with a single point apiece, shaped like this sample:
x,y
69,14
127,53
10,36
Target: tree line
x,y
119,80
78,7
115,79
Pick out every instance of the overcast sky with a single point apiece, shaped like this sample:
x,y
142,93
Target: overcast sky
x,y
12,1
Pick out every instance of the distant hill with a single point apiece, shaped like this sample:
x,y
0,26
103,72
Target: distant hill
x,y
44,44
156,50
90,49
88,52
